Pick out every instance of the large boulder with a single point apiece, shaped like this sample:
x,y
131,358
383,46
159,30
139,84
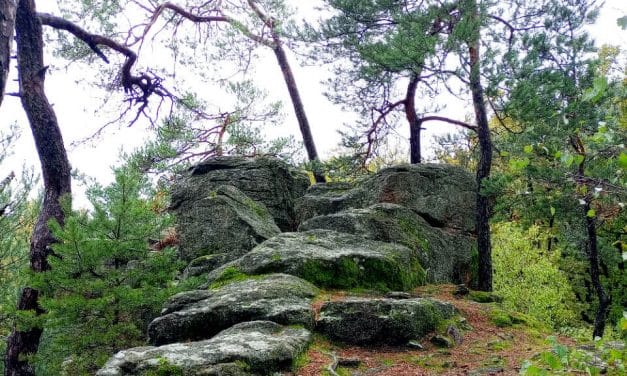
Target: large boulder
x,y
200,314
225,222
445,254
251,348
332,259
443,195
266,180
364,321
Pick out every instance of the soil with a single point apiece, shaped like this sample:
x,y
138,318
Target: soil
x,y
486,349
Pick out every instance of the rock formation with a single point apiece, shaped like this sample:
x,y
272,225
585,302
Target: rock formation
x,y
237,220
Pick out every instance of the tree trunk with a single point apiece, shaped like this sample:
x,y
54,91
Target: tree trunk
x,y
482,215
7,24
415,124
55,170
593,257
299,109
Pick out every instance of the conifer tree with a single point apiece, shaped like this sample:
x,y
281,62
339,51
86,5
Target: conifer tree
x,y
106,283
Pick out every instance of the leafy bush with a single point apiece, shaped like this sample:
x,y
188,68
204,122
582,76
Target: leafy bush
x,y
528,278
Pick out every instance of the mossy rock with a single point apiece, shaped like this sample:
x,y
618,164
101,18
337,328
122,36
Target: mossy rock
x,y
200,314
251,348
365,321
266,180
484,297
226,222
333,260
443,195
446,255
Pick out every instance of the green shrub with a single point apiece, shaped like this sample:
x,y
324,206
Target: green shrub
x,y
528,279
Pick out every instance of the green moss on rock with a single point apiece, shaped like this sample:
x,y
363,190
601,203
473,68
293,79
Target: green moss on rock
x,y
484,297
332,260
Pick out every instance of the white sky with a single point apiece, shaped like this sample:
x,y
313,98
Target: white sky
x,y
75,106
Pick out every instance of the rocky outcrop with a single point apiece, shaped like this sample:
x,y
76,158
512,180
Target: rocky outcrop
x,y
393,231
332,259
444,253
226,222
200,314
265,180
428,208
251,348
381,321
443,195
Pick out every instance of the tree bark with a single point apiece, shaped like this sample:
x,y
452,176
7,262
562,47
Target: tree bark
x,y
415,124
482,215
299,108
593,258
7,24
55,170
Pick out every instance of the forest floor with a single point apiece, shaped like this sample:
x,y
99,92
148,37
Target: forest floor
x,y
486,349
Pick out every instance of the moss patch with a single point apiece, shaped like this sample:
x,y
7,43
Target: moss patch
x,y
415,238
228,276
342,273
355,273
484,297
503,319
165,368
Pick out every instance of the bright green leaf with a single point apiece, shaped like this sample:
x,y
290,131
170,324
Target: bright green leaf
x,y
528,149
597,91
552,360
622,160
518,164
591,213
567,160
552,211
579,159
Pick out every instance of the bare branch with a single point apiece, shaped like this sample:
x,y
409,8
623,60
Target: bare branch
x,y
147,84
451,121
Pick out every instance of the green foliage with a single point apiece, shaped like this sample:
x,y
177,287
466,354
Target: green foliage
x,y
165,368
105,284
602,358
18,214
561,187
528,277
180,141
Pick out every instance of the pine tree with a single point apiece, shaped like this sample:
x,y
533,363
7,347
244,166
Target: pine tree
x,y
105,283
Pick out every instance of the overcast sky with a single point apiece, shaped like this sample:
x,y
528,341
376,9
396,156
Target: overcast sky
x,y
75,104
